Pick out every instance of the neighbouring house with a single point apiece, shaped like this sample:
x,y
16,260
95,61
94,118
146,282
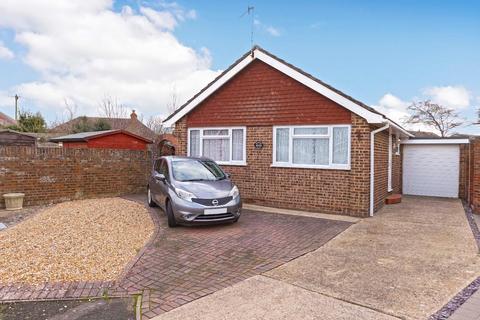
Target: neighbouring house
x,y
291,140
107,139
6,120
131,124
15,138
423,134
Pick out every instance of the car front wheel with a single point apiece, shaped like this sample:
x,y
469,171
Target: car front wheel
x,y
150,201
172,223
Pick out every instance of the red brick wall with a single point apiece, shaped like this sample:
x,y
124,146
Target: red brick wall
x,y
261,95
475,175
48,175
396,171
464,167
381,168
329,191
113,141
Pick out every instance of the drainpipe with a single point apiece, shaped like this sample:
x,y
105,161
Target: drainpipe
x,y
372,164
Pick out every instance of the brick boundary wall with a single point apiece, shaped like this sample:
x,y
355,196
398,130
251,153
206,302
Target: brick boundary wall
x,y
51,175
474,175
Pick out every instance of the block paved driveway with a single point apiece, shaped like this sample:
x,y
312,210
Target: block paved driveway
x,y
186,263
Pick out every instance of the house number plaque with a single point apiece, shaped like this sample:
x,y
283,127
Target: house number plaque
x,y
258,145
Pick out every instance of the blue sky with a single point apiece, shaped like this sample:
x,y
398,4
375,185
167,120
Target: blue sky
x,y
384,53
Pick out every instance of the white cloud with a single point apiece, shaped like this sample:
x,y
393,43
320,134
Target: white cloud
x,y
273,31
268,29
396,109
5,53
85,51
455,97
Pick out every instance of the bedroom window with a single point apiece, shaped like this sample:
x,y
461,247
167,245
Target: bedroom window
x,y
223,145
323,147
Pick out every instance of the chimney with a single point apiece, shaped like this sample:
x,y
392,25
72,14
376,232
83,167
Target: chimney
x,y
133,116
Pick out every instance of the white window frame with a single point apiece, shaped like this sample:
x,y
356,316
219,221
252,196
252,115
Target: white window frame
x,y
329,135
229,136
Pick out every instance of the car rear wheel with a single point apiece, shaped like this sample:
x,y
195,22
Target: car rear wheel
x,y
172,223
150,201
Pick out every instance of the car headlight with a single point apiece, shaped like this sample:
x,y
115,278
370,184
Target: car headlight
x,y
234,192
185,195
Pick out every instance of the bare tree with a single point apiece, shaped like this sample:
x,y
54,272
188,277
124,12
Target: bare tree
x,y
110,108
172,103
434,115
155,124
70,109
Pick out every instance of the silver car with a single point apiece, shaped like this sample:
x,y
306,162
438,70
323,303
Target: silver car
x,y
193,191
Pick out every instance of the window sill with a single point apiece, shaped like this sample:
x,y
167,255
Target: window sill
x,y
303,166
238,164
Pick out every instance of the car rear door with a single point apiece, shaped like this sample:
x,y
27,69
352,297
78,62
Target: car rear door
x,y
154,183
163,185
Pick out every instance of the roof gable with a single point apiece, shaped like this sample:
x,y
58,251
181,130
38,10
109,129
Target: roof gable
x,y
340,98
261,95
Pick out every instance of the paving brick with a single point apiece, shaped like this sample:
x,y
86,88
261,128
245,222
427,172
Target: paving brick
x,y
184,264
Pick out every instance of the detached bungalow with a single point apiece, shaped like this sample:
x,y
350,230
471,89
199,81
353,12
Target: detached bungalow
x,y
291,140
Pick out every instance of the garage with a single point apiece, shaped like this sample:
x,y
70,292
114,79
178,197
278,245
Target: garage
x,y
431,167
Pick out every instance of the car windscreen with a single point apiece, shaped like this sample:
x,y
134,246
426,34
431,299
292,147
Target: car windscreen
x,y
196,170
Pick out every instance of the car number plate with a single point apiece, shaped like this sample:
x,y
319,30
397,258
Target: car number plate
x,y
215,211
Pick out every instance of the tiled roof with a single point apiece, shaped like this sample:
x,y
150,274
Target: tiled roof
x,y
6,120
84,136
128,124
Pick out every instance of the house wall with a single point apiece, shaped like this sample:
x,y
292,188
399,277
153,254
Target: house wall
x,y
329,191
380,169
49,175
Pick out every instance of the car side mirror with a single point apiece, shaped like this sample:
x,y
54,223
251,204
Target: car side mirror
x,y
228,175
159,176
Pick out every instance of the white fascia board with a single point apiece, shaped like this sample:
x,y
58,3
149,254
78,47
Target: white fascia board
x,y
371,117
397,128
214,87
435,141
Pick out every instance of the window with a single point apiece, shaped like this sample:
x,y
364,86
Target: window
x,y
224,145
325,147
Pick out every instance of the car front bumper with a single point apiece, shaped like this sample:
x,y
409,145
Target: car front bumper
x,y
191,213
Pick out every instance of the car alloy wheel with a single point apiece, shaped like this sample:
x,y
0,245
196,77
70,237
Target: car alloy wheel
x,y
150,201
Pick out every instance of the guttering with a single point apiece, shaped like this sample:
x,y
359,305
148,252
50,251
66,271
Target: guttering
x,y
436,141
372,164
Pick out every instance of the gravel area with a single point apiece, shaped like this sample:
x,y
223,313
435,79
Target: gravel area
x,y
86,240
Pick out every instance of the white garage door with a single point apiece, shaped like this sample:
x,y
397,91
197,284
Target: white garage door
x,y
431,170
